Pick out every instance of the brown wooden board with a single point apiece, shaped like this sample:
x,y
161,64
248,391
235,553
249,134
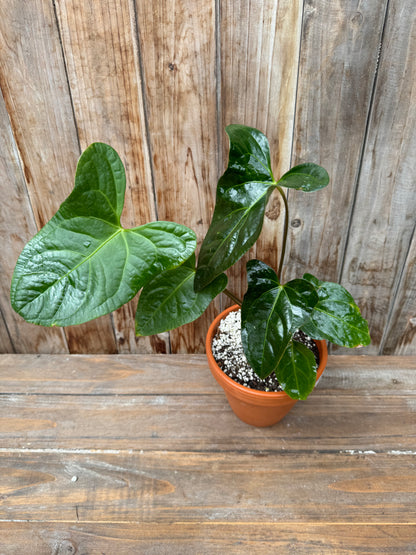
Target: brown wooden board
x,y
383,221
35,90
259,52
178,50
400,332
98,456
163,487
338,60
101,53
17,225
211,538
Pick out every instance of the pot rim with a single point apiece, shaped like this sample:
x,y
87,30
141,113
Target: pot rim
x,y
247,391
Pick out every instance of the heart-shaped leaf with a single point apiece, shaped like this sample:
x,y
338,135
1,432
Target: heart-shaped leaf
x,y
83,264
169,300
336,317
242,195
270,314
305,177
297,370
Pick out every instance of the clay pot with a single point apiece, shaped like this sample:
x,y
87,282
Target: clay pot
x,y
258,408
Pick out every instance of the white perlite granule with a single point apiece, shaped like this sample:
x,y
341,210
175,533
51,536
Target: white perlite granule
x,y
229,354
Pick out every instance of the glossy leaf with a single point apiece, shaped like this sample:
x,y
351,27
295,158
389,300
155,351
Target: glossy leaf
x,y
169,300
83,264
271,312
297,370
242,195
305,177
336,317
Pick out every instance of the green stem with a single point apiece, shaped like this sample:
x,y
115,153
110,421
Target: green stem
x,y
232,297
285,231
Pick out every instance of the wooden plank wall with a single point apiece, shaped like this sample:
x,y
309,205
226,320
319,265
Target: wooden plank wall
x,y
328,81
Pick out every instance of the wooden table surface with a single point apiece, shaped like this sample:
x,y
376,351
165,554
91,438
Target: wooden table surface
x,y
126,454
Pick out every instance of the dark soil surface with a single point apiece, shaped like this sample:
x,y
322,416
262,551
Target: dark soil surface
x,y
228,352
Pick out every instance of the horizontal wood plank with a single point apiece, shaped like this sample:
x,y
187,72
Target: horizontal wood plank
x,y
163,487
142,454
209,538
184,374
203,422
172,402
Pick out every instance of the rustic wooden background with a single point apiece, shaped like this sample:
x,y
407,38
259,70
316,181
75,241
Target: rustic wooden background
x,y
328,81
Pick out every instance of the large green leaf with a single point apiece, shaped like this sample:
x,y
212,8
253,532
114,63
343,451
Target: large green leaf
x,y
169,300
270,314
83,264
336,317
242,195
297,370
306,177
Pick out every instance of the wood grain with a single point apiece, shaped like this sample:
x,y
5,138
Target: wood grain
x,y
97,456
17,224
259,46
132,375
213,538
35,91
336,72
177,43
328,82
100,46
383,222
400,331
164,487
135,415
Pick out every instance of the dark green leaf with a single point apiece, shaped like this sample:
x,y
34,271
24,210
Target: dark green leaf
x,y
306,177
271,312
336,317
83,264
169,300
297,370
242,195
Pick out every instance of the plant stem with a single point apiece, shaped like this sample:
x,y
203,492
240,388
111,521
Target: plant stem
x,y
232,297
285,231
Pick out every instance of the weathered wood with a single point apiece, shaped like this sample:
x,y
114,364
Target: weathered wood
x,y
160,81
178,51
400,331
95,422
100,48
211,538
150,374
137,416
202,487
259,46
39,106
336,71
18,226
384,218
104,458
6,345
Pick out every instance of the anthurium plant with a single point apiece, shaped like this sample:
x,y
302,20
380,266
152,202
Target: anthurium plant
x,y
83,264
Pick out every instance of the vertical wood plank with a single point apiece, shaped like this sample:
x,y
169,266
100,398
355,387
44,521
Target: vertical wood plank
x,y
400,332
384,216
17,225
6,345
101,52
35,91
337,64
177,42
259,60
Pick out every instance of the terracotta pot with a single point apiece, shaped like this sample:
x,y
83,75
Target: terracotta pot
x,y
258,408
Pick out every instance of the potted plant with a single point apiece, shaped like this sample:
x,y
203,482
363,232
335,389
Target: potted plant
x,y
83,264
